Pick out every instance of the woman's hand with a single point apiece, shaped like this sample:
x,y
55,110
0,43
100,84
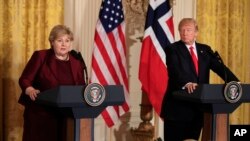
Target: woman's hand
x,y
32,92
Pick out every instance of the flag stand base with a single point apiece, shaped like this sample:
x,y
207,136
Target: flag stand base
x,y
145,131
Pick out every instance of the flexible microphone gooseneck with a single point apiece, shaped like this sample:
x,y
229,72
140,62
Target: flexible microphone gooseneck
x,y
216,54
78,56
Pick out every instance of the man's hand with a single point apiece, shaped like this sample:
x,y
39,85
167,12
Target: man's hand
x,y
191,87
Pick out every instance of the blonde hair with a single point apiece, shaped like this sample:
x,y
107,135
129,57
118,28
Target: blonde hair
x,y
59,30
188,20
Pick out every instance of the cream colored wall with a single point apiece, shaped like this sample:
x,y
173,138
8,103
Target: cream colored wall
x,y
81,16
182,9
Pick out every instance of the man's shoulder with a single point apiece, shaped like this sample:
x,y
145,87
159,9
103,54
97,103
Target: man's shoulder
x,y
178,43
175,44
202,45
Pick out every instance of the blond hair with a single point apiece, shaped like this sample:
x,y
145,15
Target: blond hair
x,y
59,30
188,20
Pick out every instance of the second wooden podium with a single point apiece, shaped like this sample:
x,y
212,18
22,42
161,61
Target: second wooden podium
x,y
216,108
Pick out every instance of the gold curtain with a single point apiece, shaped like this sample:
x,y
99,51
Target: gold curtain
x,y
224,25
24,27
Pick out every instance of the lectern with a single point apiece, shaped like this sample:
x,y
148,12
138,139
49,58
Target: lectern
x,y
70,102
215,107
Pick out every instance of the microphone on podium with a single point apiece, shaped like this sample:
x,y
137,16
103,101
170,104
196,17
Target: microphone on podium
x,y
78,56
216,55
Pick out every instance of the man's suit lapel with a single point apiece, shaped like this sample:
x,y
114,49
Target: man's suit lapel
x,y
185,52
200,57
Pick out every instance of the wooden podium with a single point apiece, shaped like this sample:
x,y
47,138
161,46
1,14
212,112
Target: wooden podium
x,y
70,102
216,108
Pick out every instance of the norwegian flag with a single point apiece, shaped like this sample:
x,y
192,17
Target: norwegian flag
x,y
159,31
109,65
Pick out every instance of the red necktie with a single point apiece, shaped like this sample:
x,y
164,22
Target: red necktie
x,y
194,58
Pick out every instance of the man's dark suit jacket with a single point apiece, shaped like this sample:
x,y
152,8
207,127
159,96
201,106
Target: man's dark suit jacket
x,y
181,70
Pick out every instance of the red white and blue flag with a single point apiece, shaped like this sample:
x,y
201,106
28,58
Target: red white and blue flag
x,y
159,32
109,65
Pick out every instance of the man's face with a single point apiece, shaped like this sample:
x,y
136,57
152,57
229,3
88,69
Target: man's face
x,y
188,33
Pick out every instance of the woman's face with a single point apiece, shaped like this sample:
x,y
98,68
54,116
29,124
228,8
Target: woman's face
x,y
62,45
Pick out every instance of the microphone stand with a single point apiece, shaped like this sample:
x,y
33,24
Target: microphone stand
x,y
224,68
216,55
84,68
78,56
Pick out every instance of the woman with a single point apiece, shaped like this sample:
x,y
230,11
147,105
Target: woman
x,y
45,70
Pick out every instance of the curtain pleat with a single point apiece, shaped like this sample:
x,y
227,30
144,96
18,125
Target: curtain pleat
x,y
24,27
224,25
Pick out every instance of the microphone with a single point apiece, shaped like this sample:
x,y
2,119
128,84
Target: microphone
x,y
216,55
85,67
78,56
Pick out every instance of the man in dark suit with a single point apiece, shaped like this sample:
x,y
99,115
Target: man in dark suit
x,y
188,64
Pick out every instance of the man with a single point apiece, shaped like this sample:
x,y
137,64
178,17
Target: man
x,y
188,64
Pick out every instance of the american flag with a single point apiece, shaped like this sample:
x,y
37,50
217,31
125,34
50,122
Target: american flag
x,y
109,65
159,31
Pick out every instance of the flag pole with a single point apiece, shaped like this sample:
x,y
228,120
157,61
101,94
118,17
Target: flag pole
x,y
159,32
